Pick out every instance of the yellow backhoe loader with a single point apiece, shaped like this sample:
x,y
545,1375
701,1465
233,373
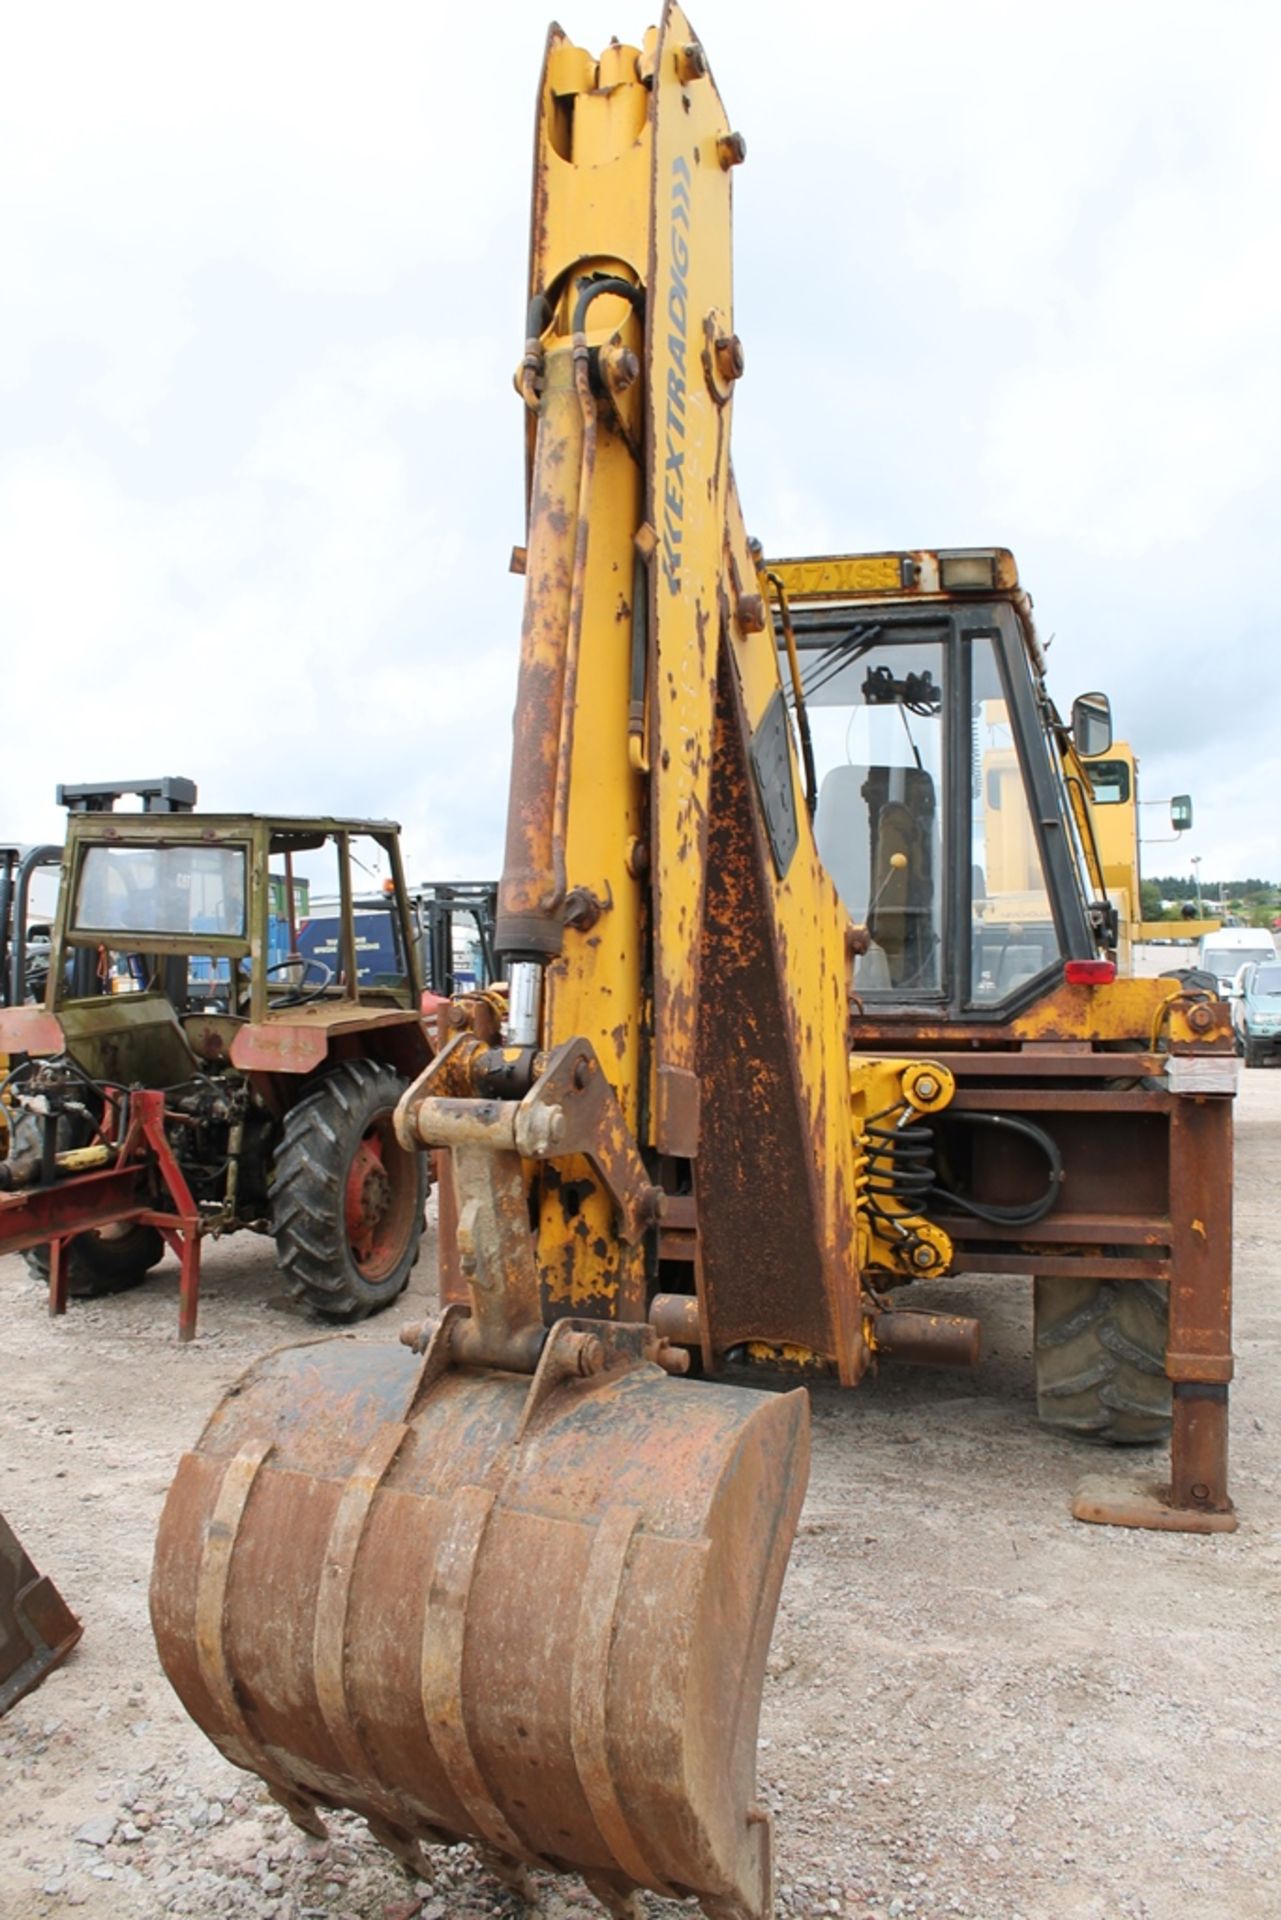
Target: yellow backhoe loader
x,y
788,1024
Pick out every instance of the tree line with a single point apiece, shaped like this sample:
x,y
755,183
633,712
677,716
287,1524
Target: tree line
x,y
1257,902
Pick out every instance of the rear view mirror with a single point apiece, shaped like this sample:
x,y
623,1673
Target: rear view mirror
x,y
1091,724
1181,812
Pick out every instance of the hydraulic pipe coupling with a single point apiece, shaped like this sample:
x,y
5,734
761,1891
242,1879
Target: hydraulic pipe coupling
x,y
506,1125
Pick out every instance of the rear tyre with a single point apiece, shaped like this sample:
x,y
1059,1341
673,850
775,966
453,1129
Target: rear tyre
x,y
347,1200
1100,1359
104,1262
1195,979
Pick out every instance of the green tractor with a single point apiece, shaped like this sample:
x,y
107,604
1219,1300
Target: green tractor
x,y
193,1070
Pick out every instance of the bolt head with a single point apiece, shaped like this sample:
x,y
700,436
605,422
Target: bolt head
x,y
923,1256
591,1355
730,358
622,369
750,613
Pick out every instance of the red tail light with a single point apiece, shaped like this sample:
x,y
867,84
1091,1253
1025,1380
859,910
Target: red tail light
x,y
1089,973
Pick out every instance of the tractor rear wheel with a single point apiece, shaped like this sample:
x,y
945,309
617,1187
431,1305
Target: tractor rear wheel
x,y
347,1200
1100,1359
103,1262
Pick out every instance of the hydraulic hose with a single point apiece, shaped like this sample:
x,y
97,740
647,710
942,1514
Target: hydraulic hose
x,y
608,283
1030,1211
901,1168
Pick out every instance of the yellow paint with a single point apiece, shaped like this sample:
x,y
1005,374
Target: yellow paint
x,y
928,1086
892,1239
591,216
1173,929
690,304
1125,1010
591,176
791,1359
852,573
1116,825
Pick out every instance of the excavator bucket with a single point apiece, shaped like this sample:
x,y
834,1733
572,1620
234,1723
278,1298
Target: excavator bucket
x,y
37,1627
536,1623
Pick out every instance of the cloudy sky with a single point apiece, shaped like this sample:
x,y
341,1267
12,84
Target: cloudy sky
x,y
1005,274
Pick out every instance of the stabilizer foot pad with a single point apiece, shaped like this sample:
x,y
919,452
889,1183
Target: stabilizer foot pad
x,y
1109,1501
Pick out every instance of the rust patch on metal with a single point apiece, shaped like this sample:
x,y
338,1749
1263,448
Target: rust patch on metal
x,y
37,1627
502,1572
1115,1501
761,1222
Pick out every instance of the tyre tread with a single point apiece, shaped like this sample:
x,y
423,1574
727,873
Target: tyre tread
x,y
307,1196
1100,1359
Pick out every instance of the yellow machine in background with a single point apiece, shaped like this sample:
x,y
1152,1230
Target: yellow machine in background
x,y
1007,870
1114,795
790,1021
1008,880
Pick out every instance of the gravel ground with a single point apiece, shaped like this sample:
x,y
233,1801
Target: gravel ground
x,y
975,1706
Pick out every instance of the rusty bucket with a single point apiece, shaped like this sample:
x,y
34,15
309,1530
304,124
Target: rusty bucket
x,y
37,1627
544,1633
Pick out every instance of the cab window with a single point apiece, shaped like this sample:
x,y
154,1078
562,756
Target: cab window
x,y
1109,782
1013,937
877,717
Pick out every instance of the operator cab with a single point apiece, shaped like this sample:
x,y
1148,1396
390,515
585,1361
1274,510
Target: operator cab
x,y
213,912
941,814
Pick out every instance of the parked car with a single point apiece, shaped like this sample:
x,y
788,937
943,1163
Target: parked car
x,y
1256,1011
1225,953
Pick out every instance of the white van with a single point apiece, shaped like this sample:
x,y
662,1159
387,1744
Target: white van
x,y
1225,953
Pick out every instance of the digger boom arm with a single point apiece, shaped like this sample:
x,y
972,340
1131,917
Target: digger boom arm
x,y
660,870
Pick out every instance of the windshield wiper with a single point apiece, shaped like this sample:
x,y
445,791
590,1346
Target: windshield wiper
x,y
834,659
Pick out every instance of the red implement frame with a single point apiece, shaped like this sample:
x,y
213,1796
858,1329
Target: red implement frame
x,y
116,1196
